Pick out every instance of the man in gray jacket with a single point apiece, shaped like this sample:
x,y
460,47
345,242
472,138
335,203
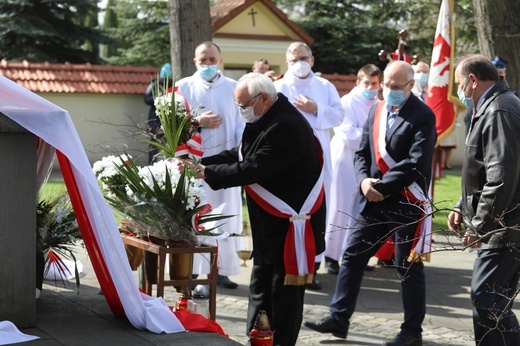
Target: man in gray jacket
x,y
490,203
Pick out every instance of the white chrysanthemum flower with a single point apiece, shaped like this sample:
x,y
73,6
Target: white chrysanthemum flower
x,y
107,167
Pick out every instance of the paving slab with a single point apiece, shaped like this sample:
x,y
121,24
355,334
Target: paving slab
x,y
65,317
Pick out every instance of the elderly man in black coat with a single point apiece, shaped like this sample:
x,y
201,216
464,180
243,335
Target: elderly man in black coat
x,y
280,165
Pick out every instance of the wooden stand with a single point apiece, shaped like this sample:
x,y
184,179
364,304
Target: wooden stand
x,y
162,251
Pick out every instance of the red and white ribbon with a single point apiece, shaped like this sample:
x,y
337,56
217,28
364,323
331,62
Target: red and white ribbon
x,y
299,246
192,148
414,193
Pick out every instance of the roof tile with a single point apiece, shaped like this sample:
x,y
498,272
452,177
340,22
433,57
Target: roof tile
x,y
79,78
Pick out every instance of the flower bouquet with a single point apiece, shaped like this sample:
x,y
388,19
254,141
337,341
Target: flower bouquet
x,y
159,199
57,234
162,202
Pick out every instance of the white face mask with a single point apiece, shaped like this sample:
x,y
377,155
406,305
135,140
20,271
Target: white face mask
x,y
248,113
300,69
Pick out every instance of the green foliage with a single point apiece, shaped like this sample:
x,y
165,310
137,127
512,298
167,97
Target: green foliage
x,y
110,22
160,199
349,34
178,124
43,30
142,34
57,232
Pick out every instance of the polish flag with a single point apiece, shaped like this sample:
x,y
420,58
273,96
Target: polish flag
x,y
440,97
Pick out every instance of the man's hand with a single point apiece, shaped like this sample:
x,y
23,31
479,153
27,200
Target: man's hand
x,y
471,240
209,120
306,104
455,221
368,190
188,165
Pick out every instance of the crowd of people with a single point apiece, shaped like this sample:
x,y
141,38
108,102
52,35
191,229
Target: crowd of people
x,y
339,180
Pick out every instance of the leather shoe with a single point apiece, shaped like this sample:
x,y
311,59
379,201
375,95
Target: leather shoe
x,y
332,266
223,281
314,285
404,340
327,325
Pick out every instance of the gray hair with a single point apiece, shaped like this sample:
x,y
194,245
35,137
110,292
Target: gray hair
x,y
297,45
258,83
421,64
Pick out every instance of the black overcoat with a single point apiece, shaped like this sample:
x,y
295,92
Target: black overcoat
x,y
280,152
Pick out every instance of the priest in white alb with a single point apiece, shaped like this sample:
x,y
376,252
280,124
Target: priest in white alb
x,y
342,211
211,95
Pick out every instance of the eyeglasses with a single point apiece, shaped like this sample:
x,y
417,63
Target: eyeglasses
x,y
396,86
244,105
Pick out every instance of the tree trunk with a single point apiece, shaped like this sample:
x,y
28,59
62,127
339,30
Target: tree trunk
x,y
190,25
498,30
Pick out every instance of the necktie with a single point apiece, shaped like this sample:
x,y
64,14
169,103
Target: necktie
x,y
474,113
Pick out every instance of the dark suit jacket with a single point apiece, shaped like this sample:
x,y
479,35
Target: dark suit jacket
x,y
410,142
280,153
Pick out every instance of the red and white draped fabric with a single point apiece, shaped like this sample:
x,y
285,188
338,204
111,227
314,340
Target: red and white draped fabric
x,y
56,131
423,236
440,96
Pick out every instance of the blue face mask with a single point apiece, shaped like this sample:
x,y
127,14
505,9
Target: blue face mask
x,y
208,71
466,101
422,78
369,94
393,97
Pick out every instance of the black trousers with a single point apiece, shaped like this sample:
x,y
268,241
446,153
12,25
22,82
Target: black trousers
x,y
493,285
396,218
283,304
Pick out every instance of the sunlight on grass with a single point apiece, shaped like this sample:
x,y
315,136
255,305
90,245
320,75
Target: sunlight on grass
x,y
52,188
446,193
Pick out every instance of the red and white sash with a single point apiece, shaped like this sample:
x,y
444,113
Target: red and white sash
x,y
422,241
299,246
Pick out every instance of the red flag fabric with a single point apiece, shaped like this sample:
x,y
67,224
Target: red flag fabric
x,y
439,96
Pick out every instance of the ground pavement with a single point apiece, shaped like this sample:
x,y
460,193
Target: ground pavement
x,y
65,317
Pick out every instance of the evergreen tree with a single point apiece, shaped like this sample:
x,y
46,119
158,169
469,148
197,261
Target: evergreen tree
x,y
142,33
91,21
349,34
109,24
43,30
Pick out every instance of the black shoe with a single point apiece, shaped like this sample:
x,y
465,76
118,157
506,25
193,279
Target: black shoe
x,y
314,285
327,325
369,268
223,281
386,264
404,340
332,266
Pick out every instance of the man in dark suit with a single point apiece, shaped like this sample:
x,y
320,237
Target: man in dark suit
x,y
393,168
280,165
489,207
